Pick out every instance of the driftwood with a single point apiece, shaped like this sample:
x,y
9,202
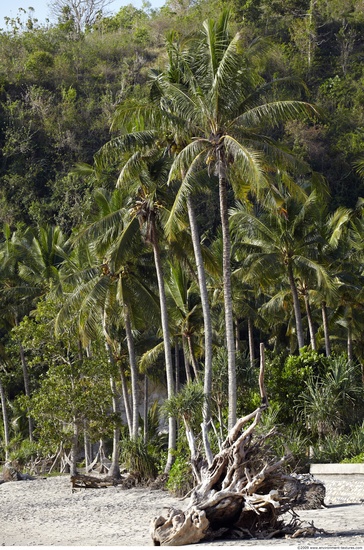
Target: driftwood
x,y
242,494
81,481
11,473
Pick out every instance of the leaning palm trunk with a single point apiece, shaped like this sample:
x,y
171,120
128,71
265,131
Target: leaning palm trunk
x,y
206,411
167,350
229,323
297,309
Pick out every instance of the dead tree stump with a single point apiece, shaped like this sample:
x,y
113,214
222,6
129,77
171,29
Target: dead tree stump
x,y
242,494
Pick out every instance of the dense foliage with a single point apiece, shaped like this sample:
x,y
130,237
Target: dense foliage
x,y
168,190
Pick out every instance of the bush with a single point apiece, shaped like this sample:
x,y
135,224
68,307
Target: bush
x,y
180,480
331,449
139,457
358,459
286,380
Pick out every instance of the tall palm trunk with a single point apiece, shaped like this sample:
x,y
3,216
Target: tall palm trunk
x,y
176,364
124,389
193,357
186,359
172,435
5,420
310,322
206,315
114,471
251,342
229,323
296,307
145,409
350,342
325,324
133,372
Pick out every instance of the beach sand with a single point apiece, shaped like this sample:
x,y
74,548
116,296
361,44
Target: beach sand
x,y
45,512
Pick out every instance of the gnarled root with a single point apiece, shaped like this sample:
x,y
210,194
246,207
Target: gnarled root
x,y
179,528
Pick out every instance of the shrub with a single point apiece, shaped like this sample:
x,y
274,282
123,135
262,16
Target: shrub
x,y
138,457
180,480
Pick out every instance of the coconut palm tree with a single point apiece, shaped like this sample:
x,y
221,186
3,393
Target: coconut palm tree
x,y
144,177
223,102
113,285
172,132
282,245
185,312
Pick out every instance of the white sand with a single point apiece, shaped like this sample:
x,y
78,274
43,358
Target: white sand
x,y
45,512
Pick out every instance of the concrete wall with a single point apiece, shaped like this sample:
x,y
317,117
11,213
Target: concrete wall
x,y
344,482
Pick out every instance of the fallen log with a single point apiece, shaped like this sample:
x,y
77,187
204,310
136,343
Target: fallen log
x,y
11,473
242,494
81,481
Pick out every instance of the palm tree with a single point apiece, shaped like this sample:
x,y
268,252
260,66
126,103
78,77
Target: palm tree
x,y
112,285
222,101
282,246
185,312
172,132
147,172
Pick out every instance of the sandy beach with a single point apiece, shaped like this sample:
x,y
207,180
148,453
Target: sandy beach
x,y
45,512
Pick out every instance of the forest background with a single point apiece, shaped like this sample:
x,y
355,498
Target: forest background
x,y
100,286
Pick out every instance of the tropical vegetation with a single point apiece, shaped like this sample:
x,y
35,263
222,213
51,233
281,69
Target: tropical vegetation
x,y
176,197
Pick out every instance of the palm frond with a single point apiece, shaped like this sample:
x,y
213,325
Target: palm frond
x,y
149,358
337,223
276,112
122,246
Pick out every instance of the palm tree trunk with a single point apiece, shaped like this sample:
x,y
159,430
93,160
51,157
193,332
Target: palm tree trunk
x,y
5,420
296,307
350,343
310,322
205,310
251,342
124,389
176,364
193,358
172,434
114,471
124,386
133,372
145,410
228,305
186,359
325,324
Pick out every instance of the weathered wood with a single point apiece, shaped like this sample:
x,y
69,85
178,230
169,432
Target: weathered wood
x,y
243,493
12,473
81,481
